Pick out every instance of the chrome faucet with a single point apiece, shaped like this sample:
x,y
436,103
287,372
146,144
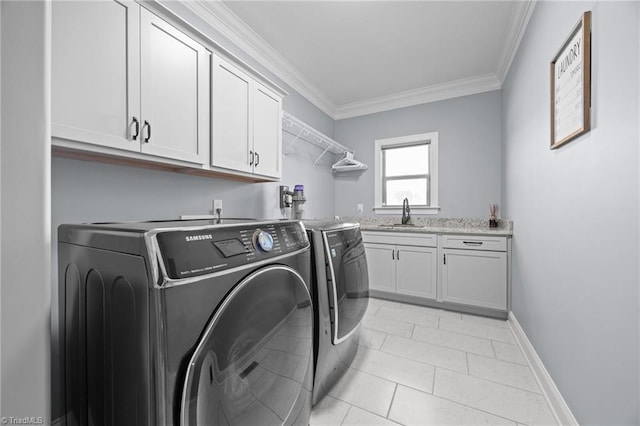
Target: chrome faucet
x,y
405,211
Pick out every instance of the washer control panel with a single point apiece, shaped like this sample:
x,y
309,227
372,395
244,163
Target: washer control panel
x,y
187,253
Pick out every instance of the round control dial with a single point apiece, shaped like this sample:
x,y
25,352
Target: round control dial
x,y
262,240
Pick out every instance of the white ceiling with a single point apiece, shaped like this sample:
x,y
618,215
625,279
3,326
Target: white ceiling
x,y
356,57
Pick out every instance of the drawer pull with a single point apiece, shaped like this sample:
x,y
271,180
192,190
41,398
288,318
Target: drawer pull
x,y
472,243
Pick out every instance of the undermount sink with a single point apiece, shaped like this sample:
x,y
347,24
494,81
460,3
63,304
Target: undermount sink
x,y
398,225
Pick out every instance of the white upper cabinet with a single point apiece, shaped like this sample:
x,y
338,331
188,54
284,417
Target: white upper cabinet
x,y
267,132
124,78
95,72
130,86
175,88
231,139
246,123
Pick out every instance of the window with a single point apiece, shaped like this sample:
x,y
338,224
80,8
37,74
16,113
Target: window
x,y
407,167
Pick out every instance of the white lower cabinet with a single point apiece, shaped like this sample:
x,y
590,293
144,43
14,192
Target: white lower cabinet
x,y
475,278
416,271
382,266
473,272
402,268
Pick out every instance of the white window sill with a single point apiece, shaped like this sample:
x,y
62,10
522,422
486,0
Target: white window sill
x,y
413,210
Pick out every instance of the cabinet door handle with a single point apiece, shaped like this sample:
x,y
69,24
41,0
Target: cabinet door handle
x,y
393,254
251,158
257,159
398,255
472,243
137,124
445,259
148,126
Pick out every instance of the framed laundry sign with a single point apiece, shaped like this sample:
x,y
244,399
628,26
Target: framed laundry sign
x,y
571,85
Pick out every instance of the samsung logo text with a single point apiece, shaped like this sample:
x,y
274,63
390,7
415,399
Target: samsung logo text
x,y
198,237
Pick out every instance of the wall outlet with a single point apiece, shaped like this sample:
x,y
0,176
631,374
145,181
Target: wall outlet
x,y
217,204
360,208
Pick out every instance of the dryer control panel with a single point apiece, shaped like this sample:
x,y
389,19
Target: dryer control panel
x,y
187,253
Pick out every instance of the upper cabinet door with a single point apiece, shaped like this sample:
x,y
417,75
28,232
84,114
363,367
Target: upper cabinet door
x,y
267,132
231,145
95,72
175,73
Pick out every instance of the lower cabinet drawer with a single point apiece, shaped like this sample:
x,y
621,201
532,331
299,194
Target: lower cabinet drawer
x,y
474,242
408,238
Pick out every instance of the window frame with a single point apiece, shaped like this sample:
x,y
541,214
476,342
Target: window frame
x,y
380,144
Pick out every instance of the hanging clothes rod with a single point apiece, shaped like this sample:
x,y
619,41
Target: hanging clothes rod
x,y
303,131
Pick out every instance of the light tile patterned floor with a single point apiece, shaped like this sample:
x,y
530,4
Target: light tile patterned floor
x,y
424,366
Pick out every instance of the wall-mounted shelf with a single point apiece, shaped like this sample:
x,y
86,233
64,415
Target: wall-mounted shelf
x,y
303,131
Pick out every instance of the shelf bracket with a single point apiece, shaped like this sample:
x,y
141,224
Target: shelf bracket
x,y
321,155
294,141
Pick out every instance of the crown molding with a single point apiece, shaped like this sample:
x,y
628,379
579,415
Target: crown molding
x,y
437,92
517,27
222,19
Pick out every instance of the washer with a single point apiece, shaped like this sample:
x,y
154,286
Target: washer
x,y
340,295
186,323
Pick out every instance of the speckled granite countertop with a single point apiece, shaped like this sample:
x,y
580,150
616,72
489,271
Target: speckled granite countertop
x,y
433,225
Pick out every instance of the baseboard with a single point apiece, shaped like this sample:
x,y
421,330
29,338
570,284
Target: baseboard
x,y
559,407
423,301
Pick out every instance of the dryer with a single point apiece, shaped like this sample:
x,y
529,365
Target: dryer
x,y
186,323
341,296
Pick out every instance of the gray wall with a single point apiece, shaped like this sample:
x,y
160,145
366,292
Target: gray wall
x,y
575,210
84,191
470,153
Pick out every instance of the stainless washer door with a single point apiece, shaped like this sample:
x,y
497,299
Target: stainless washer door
x,y
348,281
253,365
